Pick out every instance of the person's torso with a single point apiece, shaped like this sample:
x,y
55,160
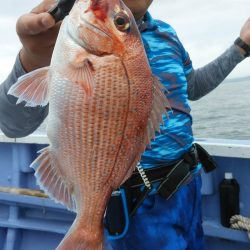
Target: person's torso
x,y
170,63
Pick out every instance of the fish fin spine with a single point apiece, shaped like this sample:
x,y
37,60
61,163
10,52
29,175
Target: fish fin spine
x,y
49,179
32,88
160,106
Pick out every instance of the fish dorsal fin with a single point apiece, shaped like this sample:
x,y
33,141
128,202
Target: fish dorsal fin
x,y
159,107
50,179
32,88
82,75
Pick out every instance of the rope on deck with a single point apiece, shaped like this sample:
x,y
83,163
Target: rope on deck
x,y
23,191
241,223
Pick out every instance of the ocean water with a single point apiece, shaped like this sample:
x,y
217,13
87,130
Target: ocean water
x,y
223,113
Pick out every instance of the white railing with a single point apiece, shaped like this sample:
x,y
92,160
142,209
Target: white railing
x,y
218,147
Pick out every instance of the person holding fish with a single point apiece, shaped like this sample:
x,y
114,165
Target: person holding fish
x,y
111,78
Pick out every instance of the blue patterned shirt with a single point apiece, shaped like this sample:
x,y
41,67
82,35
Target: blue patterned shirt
x,y
171,64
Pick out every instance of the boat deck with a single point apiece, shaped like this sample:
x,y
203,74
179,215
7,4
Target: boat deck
x,y
27,220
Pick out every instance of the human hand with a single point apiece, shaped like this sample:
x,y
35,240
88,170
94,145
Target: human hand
x,y
245,34
37,31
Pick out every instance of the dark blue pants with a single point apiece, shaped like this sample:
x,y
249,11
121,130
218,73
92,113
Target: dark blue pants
x,y
173,224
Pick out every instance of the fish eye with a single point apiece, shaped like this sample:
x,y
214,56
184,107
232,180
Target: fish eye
x,y
121,21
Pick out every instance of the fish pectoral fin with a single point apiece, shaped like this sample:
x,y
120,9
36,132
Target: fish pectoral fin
x,y
159,107
82,75
32,88
50,179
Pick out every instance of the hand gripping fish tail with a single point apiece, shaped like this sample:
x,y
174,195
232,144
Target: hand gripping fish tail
x,y
104,108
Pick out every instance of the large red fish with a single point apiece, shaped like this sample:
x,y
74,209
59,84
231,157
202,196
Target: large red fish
x,y
104,108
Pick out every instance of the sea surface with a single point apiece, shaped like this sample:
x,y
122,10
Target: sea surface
x,y
223,113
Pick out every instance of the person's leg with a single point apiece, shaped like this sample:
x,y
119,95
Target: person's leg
x,y
165,224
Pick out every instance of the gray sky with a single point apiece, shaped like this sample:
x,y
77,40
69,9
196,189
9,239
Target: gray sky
x,y
205,27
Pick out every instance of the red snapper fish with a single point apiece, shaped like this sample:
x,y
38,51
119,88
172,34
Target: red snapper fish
x,y
104,108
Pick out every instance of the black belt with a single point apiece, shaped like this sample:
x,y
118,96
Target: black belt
x,y
172,175
169,176
154,175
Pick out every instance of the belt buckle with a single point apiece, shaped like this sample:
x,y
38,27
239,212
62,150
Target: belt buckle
x,y
192,157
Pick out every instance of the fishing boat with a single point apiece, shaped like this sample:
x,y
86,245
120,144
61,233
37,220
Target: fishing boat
x,y
31,221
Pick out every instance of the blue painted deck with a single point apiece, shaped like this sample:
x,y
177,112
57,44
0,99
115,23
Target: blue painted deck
x,y
32,223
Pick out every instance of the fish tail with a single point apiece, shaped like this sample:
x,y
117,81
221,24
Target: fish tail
x,y
79,238
76,242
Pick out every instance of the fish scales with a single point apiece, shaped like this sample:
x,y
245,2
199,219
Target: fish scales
x,y
80,124
104,108
104,114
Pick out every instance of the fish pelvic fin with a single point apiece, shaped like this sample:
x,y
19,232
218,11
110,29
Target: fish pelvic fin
x,y
32,88
50,179
160,106
78,238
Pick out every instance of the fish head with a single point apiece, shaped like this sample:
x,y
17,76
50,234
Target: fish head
x,y
102,27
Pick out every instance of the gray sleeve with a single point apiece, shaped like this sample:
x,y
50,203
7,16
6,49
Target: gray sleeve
x,y
17,120
203,80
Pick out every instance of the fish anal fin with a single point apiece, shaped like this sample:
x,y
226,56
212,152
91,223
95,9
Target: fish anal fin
x,y
32,88
160,106
51,181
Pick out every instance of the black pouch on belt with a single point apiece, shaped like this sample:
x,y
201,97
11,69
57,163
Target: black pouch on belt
x,y
116,219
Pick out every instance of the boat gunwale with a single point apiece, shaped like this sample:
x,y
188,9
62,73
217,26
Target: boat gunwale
x,y
216,147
